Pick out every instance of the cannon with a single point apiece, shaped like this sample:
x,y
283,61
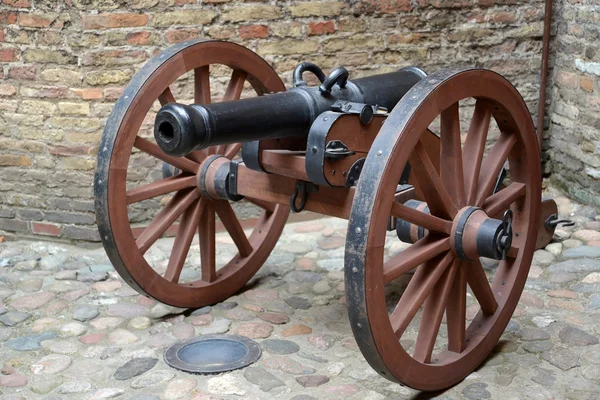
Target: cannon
x,y
384,152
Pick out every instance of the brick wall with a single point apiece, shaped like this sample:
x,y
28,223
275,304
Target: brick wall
x,y
63,64
575,124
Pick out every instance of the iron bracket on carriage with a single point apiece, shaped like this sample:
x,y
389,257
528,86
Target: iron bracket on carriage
x,y
384,152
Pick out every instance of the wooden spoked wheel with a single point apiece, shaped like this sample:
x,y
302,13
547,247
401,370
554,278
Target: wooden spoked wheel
x,y
183,211
408,340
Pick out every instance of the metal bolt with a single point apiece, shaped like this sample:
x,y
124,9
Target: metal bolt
x,y
343,173
333,172
359,325
379,152
326,119
517,234
355,270
358,230
503,283
315,149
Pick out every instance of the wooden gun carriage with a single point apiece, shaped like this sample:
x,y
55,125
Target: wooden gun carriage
x,y
384,152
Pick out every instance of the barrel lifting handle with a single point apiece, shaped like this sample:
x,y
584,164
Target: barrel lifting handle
x,y
307,66
339,76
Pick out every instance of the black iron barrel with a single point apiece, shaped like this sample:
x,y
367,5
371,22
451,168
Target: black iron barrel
x,y
180,129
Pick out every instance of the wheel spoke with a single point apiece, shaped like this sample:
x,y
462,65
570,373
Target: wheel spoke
x,y
431,185
160,187
207,243
427,221
265,205
451,168
423,250
166,97
431,319
197,156
479,284
419,287
456,310
183,240
491,166
165,218
232,224
202,85
182,163
501,201
236,85
232,150
475,146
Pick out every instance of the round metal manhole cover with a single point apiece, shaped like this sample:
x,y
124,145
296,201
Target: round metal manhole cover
x,y
212,354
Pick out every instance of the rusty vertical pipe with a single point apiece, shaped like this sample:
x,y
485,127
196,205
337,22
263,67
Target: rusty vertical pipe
x,y
544,75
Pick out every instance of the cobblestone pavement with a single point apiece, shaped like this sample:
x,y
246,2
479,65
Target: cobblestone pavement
x,y
70,328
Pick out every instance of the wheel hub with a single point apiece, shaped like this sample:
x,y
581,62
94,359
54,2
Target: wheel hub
x,y
212,178
474,234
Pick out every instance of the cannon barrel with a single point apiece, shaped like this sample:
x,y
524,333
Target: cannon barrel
x,y
180,129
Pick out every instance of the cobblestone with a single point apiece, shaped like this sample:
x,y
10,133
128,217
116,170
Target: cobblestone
x,y
97,340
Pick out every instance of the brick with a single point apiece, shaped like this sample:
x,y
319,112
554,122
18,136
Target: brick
x,y
221,32
13,225
7,18
316,9
81,164
1,35
586,84
83,138
142,4
44,56
253,31
250,12
32,20
286,29
49,135
25,72
62,75
114,57
30,215
355,42
387,6
87,124
74,108
14,160
112,94
22,145
501,17
120,20
50,38
567,80
181,35
8,55
69,217
17,3
37,107
69,150
7,213
321,28
89,93
288,46
103,78
7,90
186,17
141,38
40,228
81,233
50,92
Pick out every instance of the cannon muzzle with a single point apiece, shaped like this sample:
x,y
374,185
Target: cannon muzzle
x,y
180,129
